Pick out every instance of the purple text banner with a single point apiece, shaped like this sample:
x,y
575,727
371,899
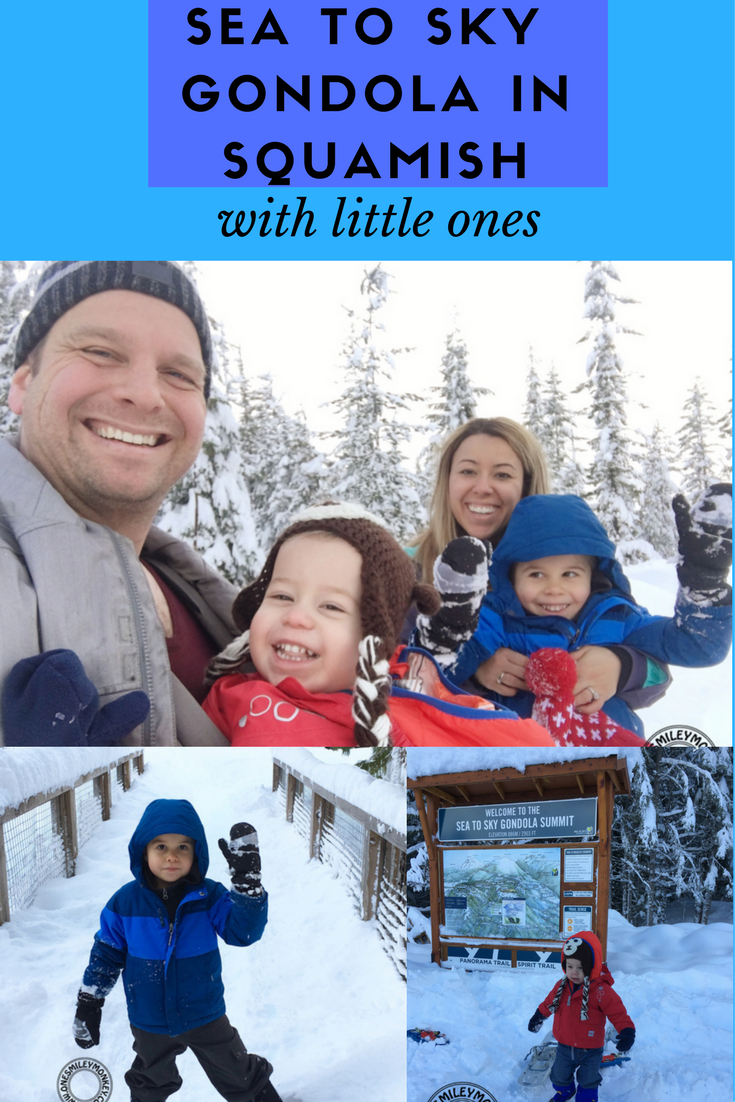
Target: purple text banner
x,y
305,94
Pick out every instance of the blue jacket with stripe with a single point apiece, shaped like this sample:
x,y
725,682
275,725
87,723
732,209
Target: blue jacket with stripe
x,y
172,971
561,524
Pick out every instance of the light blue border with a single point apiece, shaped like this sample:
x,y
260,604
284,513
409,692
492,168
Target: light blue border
x,y
74,174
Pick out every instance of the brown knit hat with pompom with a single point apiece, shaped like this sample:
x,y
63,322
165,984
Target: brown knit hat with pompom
x,y
389,588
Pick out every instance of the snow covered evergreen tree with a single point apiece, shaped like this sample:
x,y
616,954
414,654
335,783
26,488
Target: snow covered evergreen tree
x,y
556,433
15,298
657,517
283,470
455,403
456,398
673,839
615,488
639,900
534,409
695,448
210,506
724,428
367,461
386,762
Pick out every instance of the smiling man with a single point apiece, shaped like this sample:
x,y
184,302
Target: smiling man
x,y
113,367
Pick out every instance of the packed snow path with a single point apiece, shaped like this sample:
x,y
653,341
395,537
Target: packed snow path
x,y
675,981
317,995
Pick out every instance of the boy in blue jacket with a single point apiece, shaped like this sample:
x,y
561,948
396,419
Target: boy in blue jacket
x,y
161,931
555,582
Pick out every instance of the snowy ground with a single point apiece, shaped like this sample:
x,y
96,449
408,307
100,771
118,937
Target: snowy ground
x,y
697,698
317,995
675,981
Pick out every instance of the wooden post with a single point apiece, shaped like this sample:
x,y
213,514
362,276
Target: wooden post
x,y
139,763
4,893
604,826
315,824
370,863
105,789
276,777
127,778
434,886
67,810
290,795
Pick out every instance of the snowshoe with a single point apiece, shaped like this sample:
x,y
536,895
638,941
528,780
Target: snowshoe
x,y
424,1035
539,1061
613,1058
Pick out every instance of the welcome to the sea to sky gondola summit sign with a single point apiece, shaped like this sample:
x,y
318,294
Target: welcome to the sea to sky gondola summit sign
x,y
542,819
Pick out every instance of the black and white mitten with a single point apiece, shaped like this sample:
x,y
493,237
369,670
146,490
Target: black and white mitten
x,y
86,1026
705,545
243,857
460,575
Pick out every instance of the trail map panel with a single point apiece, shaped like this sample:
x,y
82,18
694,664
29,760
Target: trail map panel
x,y
502,893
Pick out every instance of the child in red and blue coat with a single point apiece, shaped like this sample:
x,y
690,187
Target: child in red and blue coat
x,y
581,1003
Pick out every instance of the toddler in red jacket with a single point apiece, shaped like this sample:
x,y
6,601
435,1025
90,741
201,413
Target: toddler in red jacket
x,y
313,664
581,1002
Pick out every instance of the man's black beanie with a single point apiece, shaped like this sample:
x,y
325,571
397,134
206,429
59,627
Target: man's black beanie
x,y
67,282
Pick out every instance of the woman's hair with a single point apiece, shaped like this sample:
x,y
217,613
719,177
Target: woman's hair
x,y
442,526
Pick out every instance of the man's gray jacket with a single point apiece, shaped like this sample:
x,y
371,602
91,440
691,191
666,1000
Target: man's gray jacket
x,y
67,582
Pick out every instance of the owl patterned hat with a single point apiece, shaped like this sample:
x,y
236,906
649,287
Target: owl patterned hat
x,y
584,947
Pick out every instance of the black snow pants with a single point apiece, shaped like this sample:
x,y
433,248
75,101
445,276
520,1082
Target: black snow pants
x,y
235,1074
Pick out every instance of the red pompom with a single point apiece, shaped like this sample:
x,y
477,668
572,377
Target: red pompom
x,y
551,674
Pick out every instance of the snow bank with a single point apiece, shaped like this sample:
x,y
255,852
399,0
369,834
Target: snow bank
x,y
384,801
669,948
27,771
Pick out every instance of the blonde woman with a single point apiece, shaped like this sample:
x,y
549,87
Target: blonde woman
x,y
485,467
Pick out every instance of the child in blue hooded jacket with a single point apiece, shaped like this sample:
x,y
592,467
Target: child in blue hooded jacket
x,y
555,582
161,931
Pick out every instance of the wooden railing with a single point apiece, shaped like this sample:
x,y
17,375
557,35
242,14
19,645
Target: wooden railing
x,y
41,837
368,855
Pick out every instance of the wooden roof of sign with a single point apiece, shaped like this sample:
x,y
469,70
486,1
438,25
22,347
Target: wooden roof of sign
x,y
554,780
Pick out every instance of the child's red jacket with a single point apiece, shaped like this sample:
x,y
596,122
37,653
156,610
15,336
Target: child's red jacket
x,y
251,712
603,1003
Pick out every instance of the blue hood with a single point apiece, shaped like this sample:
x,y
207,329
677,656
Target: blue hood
x,y
552,524
167,817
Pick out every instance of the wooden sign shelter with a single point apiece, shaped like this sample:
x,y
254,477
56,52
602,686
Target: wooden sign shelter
x,y
596,777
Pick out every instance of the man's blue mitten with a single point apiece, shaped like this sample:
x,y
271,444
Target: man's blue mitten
x,y
48,700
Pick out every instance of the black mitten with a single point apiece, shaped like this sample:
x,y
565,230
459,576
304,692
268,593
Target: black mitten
x,y
86,1027
705,543
536,1022
48,700
625,1039
242,855
460,575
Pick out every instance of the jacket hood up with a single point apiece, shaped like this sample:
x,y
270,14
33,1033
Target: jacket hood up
x,y
167,817
552,524
593,942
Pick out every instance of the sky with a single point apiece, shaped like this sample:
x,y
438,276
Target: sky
x,y
291,319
